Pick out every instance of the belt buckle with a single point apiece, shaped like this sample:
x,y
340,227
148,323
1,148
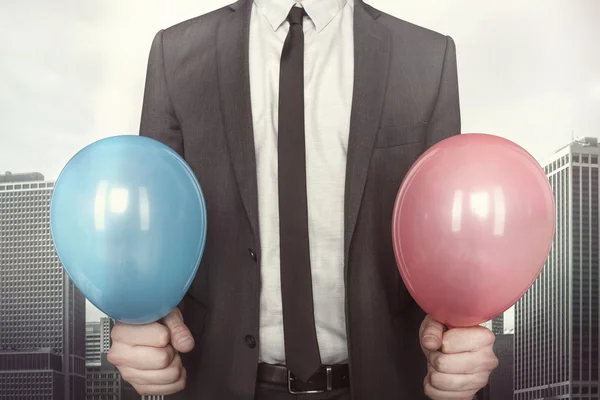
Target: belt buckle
x,y
292,389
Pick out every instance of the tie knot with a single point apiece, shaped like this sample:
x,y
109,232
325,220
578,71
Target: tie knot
x,y
296,15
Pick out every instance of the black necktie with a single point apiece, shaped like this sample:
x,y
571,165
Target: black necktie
x,y
300,337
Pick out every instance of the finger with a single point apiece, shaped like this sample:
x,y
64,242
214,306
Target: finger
x,y
461,340
431,334
154,334
458,382
166,376
181,337
140,357
162,390
463,363
437,394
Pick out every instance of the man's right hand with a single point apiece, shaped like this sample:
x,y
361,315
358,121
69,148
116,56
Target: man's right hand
x,y
148,355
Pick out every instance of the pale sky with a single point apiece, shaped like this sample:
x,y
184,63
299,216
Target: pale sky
x,y
73,72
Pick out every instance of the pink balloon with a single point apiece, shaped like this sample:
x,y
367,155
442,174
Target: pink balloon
x,y
472,227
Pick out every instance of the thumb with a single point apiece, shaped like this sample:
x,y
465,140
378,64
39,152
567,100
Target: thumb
x,y
431,334
181,337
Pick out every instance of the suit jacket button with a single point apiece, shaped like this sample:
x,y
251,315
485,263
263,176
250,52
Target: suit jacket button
x,y
252,254
250,341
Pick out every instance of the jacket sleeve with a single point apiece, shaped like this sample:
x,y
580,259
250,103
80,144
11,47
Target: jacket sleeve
x,y
443,123
159,120
445,118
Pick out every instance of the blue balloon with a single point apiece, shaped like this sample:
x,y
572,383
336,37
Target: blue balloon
x,y
128,220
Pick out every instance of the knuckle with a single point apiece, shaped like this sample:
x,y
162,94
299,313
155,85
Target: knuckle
x,y
180,385
436,380
172,375
179,374
428,390
440,363
114,357
176,360
482,382
489,338
164,358
447,341
492,362
163,336
126,375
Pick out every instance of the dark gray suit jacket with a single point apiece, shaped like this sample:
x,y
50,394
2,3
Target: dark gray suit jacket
x,y
197,101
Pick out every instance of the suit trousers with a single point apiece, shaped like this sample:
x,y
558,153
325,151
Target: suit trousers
x,y
266,391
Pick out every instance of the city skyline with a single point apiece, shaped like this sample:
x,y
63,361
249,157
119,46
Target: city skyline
x,y
583,155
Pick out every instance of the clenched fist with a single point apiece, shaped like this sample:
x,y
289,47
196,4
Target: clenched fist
x,y
459,360
148,355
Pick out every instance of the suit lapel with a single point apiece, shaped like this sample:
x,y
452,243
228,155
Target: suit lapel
x,y
234,84
371,64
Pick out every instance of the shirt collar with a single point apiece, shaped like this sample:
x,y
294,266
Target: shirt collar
x,y
321,12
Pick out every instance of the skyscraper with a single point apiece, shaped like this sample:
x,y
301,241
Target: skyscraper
x,y
42,314
557,321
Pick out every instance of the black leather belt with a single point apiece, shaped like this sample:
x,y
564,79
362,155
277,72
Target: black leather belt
x,y
328,378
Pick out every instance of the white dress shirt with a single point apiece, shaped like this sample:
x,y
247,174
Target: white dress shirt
x,y
328,79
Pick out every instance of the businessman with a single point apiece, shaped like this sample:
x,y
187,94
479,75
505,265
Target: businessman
x,y
300,121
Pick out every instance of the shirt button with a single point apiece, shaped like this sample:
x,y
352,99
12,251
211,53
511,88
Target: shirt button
x,y
250,341
252,254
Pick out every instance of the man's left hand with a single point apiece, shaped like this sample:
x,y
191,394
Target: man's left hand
x,y
459,360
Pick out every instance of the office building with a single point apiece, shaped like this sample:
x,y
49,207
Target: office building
x,y
92,344
97,340
42,327
498,325
103,379
106,325
104,382
495,325
557,320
